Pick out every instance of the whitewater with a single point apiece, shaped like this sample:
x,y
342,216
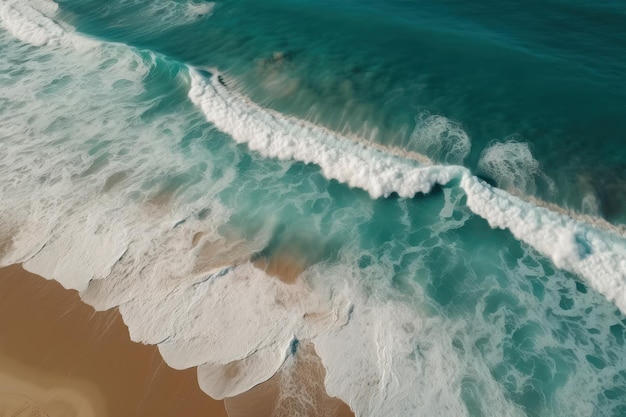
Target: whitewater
x,y
142,208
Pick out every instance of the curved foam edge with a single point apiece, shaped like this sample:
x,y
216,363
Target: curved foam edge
x,y
227,380
33,22
73,266
597,255
276,136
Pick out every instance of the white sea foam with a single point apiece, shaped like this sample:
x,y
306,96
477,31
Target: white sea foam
x,y
175,13
277,136
87,203
597,255
123,242
440,138
513,167
33,22
197,10
576,246
399,361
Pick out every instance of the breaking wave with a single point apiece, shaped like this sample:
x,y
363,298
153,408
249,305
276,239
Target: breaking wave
x,y
132,220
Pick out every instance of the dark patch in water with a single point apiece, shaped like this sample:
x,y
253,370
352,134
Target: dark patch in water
x,y
364,261
204,73
178,223
584,247
435,191
487,179
610,189
204,213
595,361
295,343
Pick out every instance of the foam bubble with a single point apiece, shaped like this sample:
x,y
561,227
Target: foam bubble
x,y
440,138
175,13
590,204
198,10
513,167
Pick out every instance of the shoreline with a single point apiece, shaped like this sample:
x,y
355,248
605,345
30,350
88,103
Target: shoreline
x,y
68,356
59,357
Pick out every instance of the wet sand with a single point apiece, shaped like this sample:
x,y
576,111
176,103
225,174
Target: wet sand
x,y
287,269
297,389
60,358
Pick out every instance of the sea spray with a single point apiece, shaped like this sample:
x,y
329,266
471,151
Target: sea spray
x,y
441,139
512,166
33,23
340,158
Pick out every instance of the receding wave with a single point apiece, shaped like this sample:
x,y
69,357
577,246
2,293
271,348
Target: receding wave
x,y
130,220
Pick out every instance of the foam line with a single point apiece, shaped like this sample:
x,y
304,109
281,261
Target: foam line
x,y
597,255
75,265
573,245
172,13
340,158
33,22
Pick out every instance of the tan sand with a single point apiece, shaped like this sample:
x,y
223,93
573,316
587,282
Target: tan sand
x,y
26,391
297,389
286,268
287,262
60,358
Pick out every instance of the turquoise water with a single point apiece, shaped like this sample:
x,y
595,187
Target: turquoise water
x,y
131,126
545,73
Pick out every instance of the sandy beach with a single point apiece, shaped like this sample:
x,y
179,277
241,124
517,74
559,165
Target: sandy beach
x,y
59,357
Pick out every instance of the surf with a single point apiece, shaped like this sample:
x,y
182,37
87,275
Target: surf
x,y
598,255
142,215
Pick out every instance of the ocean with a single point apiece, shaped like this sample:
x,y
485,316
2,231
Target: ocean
x,y
439,185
